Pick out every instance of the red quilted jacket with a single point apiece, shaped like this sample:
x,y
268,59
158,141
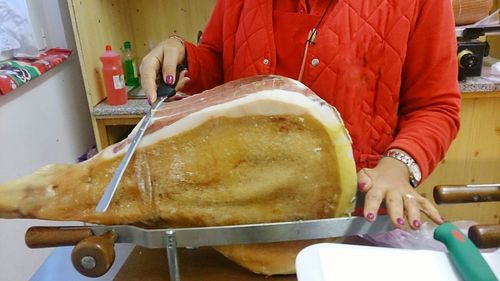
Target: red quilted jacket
x,y
379,59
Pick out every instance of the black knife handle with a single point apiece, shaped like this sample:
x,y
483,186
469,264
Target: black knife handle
x,y
169,90
164,89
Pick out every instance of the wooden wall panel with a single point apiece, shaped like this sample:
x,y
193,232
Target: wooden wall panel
x,y
494,40
473,158
154,20
143,22
97,23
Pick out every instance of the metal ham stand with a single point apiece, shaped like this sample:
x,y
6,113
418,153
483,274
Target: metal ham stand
x,y
94,252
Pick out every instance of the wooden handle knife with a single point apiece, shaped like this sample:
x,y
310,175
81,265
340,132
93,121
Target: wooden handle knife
x,y
485,235
448,194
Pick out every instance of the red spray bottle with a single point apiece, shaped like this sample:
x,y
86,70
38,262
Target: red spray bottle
x,y
112,73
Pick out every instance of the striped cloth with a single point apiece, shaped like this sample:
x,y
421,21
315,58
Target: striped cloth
x,y
16,72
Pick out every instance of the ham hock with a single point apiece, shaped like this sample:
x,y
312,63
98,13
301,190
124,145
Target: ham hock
x,y
260,149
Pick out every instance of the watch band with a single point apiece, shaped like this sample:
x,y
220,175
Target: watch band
x,y
415,174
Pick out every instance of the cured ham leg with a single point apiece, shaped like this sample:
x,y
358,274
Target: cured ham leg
x,y
262,149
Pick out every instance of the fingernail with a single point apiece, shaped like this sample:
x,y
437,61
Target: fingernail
x,y
169,80
400,221
416,223
361,185
370,216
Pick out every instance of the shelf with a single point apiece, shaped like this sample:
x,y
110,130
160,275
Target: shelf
x,y
486,83
18,71
134,107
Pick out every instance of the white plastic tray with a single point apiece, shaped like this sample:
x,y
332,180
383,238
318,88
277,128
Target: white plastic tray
x,y
339,262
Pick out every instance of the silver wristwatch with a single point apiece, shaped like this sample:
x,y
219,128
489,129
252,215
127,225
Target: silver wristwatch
x,y
415,175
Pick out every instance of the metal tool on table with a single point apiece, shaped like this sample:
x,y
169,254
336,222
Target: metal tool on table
x,y
471,50
94,254
483,235
164,92
475,193
463,254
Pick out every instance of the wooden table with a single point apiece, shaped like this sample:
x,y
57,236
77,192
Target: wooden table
x,y
202,264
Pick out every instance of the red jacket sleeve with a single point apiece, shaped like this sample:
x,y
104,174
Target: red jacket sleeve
x,y
205,60
430,97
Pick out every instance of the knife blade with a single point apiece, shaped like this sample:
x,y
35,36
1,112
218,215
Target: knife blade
x,y
164,92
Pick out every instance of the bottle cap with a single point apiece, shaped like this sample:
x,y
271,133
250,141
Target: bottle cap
x,y
108,48
127,45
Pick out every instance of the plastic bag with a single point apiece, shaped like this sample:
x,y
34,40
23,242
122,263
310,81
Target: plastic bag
x,y
422,239
16,32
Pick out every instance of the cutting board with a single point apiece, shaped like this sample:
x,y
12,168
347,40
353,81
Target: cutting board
x,y
340,262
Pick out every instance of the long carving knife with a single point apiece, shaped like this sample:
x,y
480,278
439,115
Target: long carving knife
x,y
164,92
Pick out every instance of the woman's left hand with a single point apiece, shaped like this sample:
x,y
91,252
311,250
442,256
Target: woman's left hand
x,y
389,182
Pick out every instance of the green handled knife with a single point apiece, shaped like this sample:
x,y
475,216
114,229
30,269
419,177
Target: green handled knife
x,y
464,255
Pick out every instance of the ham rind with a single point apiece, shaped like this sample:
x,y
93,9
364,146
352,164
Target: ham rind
x,y
261,149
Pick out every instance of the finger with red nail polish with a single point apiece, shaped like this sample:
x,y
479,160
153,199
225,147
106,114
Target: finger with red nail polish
x,y
416,224
370,216
412,210
170,80
364,181
373,199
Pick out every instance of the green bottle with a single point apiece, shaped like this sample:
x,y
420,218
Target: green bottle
x,y
129,66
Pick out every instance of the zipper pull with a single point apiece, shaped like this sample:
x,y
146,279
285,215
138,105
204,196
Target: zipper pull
x,y
312,36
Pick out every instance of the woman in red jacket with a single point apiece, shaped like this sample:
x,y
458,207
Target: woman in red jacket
x,y
389,67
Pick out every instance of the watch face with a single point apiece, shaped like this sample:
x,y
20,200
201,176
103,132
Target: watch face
x,y
415,171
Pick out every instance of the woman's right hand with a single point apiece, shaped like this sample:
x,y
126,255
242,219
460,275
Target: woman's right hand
x,y
164,57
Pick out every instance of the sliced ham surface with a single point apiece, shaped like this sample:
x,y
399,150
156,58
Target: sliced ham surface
x,y
260,149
